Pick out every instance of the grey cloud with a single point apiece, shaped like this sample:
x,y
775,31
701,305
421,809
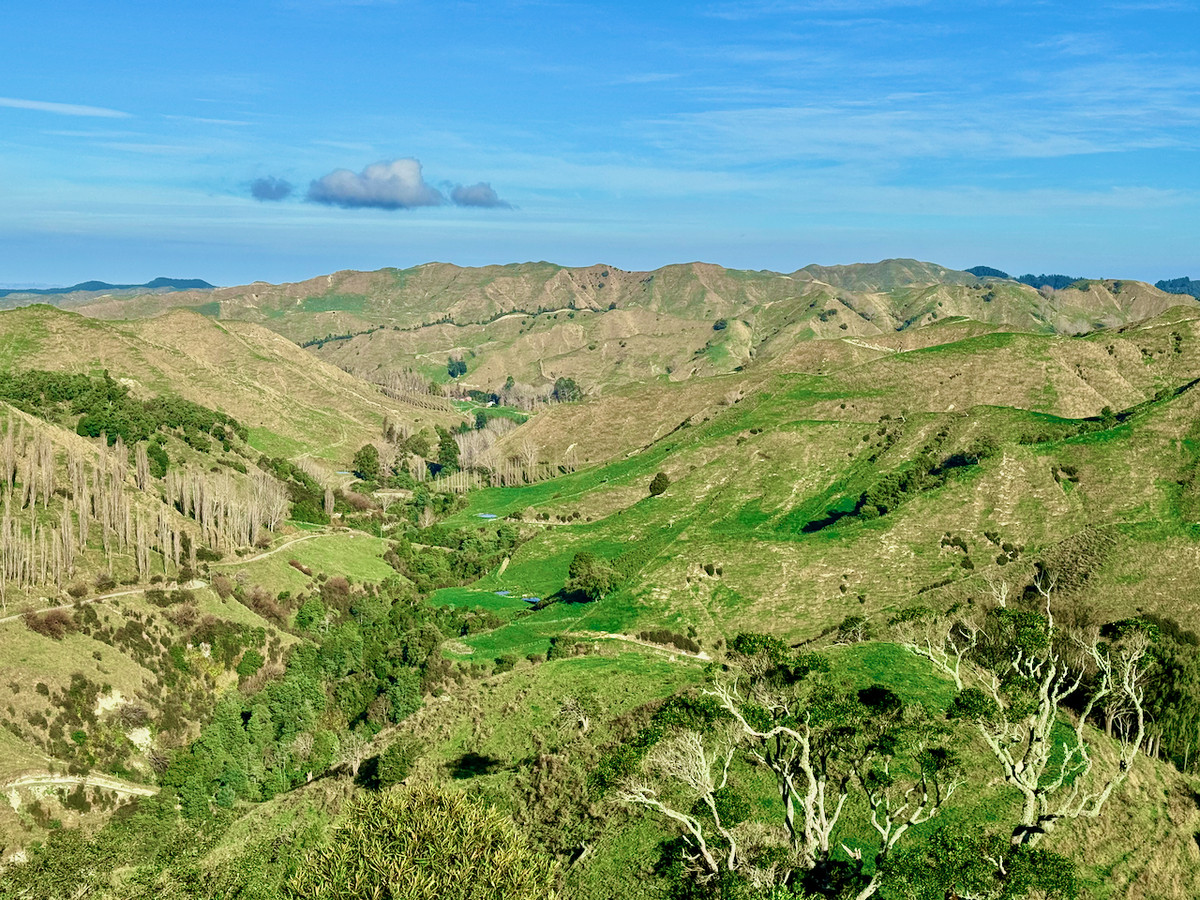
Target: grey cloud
x,y
398,184
480,194
270,188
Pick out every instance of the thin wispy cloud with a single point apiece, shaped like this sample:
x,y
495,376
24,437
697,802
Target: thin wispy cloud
x,y
846,133
206,121
1079,44
154,149
1152,6
646,78
63,109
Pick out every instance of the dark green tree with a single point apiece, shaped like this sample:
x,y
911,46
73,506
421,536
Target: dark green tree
x,y
566,390
659,483
591,576
366,463
447,450
418,444
397,760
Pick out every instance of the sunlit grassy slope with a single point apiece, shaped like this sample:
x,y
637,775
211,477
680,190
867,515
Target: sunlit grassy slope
x,y
293,403
751,479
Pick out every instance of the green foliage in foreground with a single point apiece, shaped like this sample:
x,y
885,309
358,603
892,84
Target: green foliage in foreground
x,y
959,860
366,671
427,842
832,752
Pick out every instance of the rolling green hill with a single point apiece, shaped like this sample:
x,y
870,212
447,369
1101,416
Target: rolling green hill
x,y
849,445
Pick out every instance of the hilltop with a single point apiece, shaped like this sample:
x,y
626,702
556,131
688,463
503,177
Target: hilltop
x,y
606,327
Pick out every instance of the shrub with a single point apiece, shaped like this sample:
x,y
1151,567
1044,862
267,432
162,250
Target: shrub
x,y
264,603
357,502
78,591
853,630
336,592
590,576
223,585
55,624
659,483
310,613
184,616
667,637
404,693
561,647
566,390
250,663
158,597
397,761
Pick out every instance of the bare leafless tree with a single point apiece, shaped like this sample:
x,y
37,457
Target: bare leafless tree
x,y
1016,669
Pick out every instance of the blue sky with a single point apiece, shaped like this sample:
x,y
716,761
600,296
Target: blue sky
x,y
1031,136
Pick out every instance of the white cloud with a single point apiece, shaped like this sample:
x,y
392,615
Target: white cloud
x,y
398,184
63,109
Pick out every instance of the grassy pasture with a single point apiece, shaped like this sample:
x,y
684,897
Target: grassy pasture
x,y
357,556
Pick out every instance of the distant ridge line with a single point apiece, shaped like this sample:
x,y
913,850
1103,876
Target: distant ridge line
x,y
176,284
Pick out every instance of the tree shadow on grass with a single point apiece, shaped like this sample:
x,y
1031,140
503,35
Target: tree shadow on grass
x,y
368,774
472,765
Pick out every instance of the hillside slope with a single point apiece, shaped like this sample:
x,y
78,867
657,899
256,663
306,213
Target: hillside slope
x,y
605,327
293,404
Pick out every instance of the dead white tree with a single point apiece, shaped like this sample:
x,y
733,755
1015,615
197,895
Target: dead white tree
x,y
822,742
1023,669
679,774
142,464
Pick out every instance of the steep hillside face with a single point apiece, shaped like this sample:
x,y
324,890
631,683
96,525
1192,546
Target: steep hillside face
x,y
948,368
293,404
606,327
